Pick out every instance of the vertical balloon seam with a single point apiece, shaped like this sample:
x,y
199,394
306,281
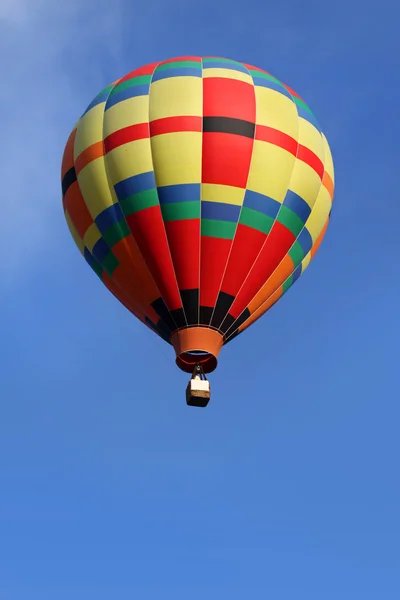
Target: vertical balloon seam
x,y
111,186
280,291
201,188
160,326
91,259
279,287
140,301
294,242
150,324
241,207
133,304
268,235
260,312
135,307
159,204
282,286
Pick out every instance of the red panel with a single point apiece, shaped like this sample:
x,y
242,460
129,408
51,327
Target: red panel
x,y
226,159
276,137
174,124
228,98
292,92
246,247
126,135
214,254
68,156
253,68
145,70
77,209
276,247
147,228
184,243
182,59
311,159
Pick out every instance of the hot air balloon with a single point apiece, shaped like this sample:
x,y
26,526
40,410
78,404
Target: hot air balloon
x,y
198,190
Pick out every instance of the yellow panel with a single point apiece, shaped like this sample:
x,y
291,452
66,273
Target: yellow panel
x,y
277,111
128,112
128,160
328,163
270,170
319,214
213,192
92,236
305,182
95,188
310,137
176,97
177,157
227,74
305,262
75,235
89,130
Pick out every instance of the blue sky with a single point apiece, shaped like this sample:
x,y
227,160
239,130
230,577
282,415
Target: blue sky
x,y
287,486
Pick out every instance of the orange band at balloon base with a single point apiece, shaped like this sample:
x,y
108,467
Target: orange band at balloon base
x,y
197,346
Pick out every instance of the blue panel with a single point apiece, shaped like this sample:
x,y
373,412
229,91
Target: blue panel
x,y
102,97
305,114
135,185
263,204
305,240
100,250
186,192
222,64
108,217
90,260
297,205
272,85
220,211
177,72
129,92
296,273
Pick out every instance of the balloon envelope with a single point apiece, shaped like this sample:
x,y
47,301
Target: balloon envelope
x,y
198,190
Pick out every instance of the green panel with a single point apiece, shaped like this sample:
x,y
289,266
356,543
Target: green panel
x,y
178,64
116,232
296,253
110,263
178,211
105,91
96,268
132,204
287,284
218,59
256,220
302,104
265,76
290,220
218,229
140,80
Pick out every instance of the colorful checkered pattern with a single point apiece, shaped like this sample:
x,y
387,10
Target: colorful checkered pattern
x,y
198,189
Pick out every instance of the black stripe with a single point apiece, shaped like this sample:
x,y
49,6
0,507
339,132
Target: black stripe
x,y
231,337
228,125
205,314
190,301
160,328
163,312
178,316
68,179
224,302
230,321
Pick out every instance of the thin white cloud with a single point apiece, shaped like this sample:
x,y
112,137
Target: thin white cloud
x,y
14,11
48,71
